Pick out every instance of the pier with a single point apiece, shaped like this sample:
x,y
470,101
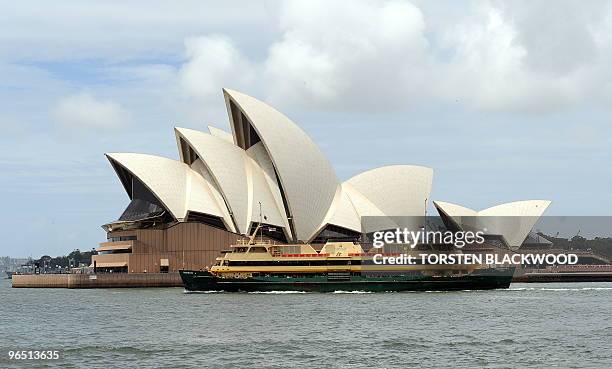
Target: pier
x,y
566,273
105,280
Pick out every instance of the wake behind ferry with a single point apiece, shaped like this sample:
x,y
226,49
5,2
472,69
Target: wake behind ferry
x,y
261,265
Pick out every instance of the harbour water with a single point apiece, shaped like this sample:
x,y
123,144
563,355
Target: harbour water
x,y
529,325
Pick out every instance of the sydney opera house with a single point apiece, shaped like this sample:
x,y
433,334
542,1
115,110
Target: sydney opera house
x,y
183,213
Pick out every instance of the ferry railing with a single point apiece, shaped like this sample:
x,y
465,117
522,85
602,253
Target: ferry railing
x,y
246,242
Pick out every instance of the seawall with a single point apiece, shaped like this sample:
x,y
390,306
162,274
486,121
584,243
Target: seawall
x,y
110,280
136,280
563,277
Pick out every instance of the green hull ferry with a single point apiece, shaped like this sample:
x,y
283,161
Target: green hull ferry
x,y
252,266
482,279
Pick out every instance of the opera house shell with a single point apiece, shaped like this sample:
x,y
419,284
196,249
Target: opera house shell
x,y
182,213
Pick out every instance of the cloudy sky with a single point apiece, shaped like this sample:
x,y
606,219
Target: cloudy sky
x,y
506,101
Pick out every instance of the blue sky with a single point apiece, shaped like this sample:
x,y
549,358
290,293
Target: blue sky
x,y
506,101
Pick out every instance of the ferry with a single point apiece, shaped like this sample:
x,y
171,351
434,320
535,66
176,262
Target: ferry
x,y
261,265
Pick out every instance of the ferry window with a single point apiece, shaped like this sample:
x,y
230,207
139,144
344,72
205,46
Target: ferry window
x,y
258,249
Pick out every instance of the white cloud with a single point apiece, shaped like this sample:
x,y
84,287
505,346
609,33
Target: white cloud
x,y
83,111
358,55
348,54
213,63
558,39
115,29
490,67
377,56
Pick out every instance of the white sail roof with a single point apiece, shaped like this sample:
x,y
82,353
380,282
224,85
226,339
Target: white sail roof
x,y
218,132
454,210
457,214
179,188
371,217
227,165
307,179
341,213
399,191
270,205
241,181
269,160
513,221
200,168
260,193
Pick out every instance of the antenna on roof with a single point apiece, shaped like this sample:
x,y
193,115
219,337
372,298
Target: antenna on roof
x,y
253,235
261,234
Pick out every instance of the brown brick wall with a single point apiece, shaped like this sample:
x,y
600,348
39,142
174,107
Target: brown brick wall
x,y
188,245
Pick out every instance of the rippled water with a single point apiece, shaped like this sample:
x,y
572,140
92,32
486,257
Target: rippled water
x,y
530,325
